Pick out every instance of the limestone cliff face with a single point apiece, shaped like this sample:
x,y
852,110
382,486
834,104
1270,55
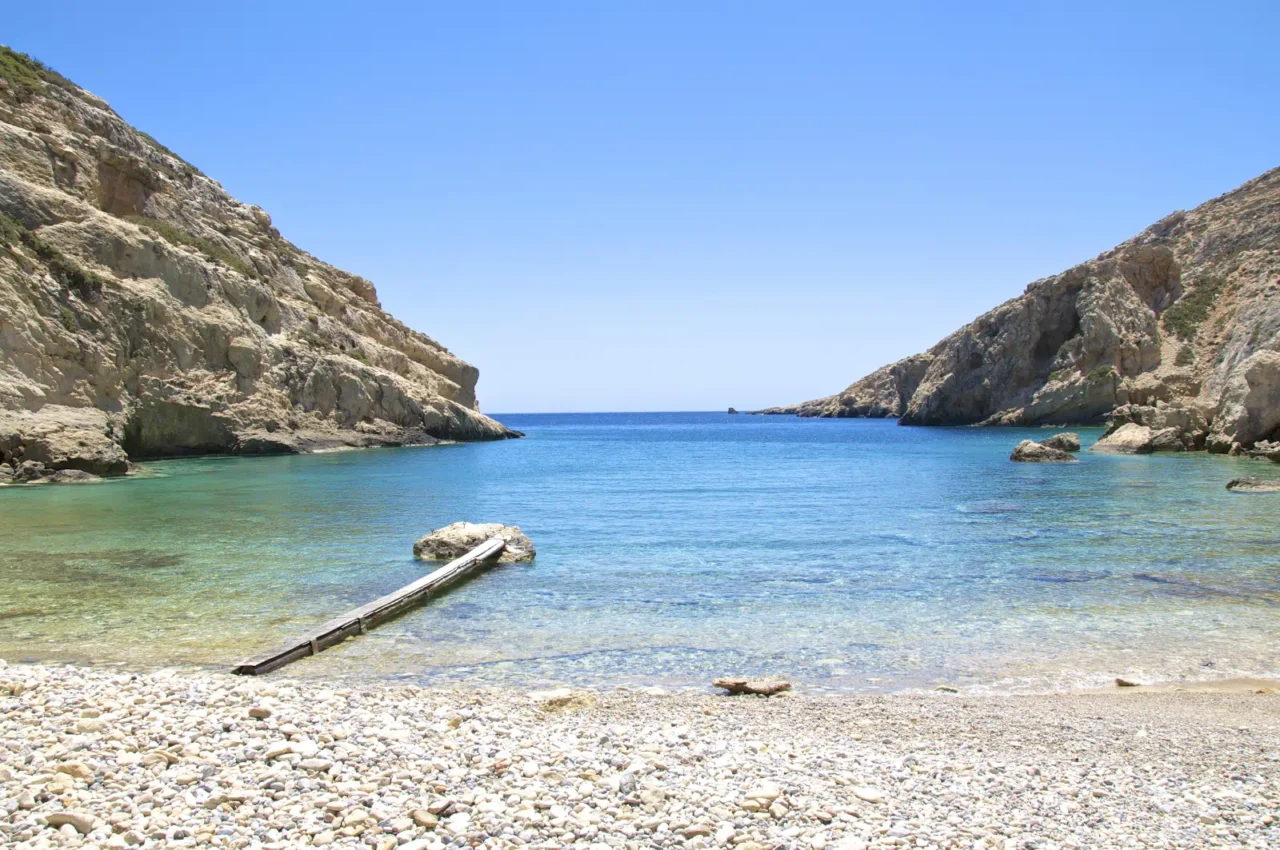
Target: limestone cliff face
x,y
1177,328
145,312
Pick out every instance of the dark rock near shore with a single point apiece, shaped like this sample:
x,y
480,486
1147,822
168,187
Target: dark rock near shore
x,y
1067,441
1253,485
1032,452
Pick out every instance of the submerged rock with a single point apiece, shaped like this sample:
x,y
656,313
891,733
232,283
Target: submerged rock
x,y
1067,441
1253,485
763,687
562,699
454,541
1029,451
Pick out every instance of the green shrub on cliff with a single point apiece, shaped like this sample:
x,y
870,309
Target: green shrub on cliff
x,y
175,235
1184,318
22,74
85,283
25,76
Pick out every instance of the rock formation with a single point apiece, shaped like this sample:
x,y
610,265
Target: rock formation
x,y
454,541
1067,441
760,687
1253,485
1128,438
1029,451
1178,328
145,312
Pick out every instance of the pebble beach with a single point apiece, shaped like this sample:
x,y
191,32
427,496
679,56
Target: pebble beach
x,y
100,757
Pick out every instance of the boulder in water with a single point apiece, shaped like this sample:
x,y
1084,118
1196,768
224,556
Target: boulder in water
x,y
454,541
1067,441
1029,451
1129,439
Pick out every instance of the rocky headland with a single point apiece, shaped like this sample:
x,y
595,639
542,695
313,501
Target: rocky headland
x,y
144,312
1176,331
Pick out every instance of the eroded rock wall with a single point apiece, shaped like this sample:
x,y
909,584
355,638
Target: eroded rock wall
x,y
136,293
1177,328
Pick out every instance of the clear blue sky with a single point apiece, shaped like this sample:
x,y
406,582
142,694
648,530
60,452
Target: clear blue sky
x,y
684,206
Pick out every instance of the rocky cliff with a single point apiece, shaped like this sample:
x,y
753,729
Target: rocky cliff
x,y
1176,330
145,312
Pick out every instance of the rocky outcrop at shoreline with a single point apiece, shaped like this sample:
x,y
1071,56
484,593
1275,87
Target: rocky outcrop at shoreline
x,y
1029,451
1253,485
112,759
454,541
1178,328
145,312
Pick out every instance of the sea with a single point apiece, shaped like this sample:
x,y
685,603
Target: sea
x,y
843,555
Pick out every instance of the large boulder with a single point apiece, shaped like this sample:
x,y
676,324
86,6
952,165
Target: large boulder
x,y
1175,426
1129,439
1067,441
62,438
1029,451
742,685
454,541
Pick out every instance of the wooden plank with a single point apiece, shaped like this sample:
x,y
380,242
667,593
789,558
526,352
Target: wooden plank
x,y
365,617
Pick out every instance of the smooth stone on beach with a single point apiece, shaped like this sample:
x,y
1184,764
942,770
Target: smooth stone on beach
x,y
766,791
82,822
634,771
867,794
1125,683
75,768
259,712
315,765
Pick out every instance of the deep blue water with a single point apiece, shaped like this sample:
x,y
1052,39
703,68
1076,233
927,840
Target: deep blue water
x,y
843,554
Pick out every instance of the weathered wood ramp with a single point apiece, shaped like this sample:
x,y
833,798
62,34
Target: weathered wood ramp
x,y
360,620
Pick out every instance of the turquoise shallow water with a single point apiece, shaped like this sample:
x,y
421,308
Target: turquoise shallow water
x,y
844,554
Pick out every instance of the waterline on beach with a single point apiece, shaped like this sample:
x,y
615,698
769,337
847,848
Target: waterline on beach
x,y
845,555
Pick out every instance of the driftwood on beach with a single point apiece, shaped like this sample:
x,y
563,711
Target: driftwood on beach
x,y
361,619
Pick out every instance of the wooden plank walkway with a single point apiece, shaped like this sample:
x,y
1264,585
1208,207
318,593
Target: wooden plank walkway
x,y
360,620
